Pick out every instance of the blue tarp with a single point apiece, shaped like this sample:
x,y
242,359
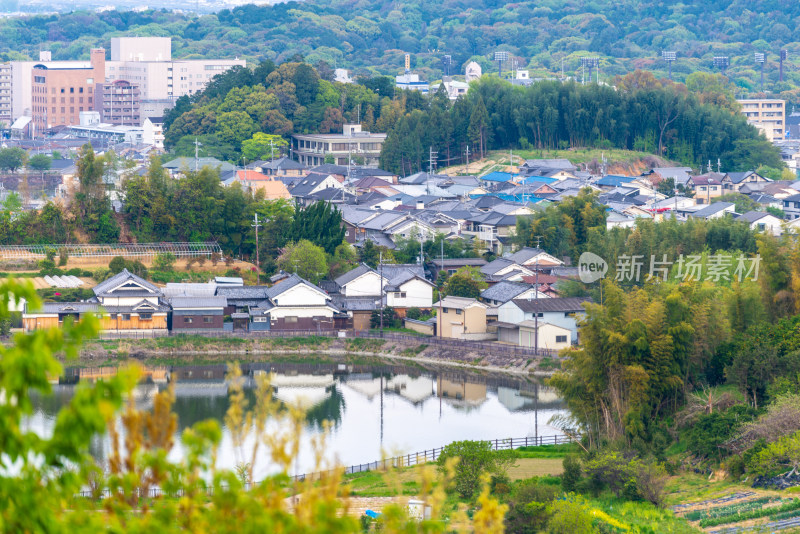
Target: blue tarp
x,y
498,177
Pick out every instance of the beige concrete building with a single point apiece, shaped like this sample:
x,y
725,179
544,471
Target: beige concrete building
x,y
5,95
311,149
457,317
768,115
147,62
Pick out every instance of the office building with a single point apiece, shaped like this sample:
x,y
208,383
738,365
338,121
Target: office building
x,y
768,115
60,91
363,147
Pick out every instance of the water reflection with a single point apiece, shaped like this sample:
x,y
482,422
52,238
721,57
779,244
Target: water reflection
x,y
397,409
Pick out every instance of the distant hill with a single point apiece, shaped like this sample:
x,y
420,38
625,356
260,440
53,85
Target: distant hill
x,y
372,36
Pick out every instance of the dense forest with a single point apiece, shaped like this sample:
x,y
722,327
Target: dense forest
x,y
652,117
371,36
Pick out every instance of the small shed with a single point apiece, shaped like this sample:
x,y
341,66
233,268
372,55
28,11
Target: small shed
x,y
241,322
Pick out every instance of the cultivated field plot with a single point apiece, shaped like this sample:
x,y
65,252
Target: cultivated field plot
x,y
743,512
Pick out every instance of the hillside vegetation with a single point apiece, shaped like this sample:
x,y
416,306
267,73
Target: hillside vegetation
x,y
372,35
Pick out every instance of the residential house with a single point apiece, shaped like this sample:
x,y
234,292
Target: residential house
x,y
503,291
178,165
206,313
504,269
296,304
550,336
791,206
303,189
680,175
714,210
461,318
551,168
125,302
404,286
532,257
615,219
281,167
733,181
563,312
761,221
706,187
451,265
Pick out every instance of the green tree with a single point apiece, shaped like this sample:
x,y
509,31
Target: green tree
x,y
12,158
164,261
305,259
262,146
465,282
40,162
321,223
475,459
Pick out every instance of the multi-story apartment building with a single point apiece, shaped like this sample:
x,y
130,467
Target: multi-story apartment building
x,y
143,61
118,103
5,95
363,147
60,91
768,115
147,62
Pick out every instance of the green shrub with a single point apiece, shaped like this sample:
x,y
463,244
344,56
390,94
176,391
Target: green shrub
x,y
475,458
116,264
528,507
164,262
710,431
572,473
414,313
62,257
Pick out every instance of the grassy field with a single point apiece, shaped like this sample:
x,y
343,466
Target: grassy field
x,y
499,160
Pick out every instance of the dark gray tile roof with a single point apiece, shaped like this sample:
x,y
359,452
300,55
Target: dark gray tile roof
x,y
711,209
121,278
569,304
352,274
504,291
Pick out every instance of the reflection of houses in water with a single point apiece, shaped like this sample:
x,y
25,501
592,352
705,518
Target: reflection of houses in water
x,y
461,393
302,390
520,400
363,383
415,389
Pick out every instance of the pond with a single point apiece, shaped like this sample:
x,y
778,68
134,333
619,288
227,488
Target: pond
x,y
374,410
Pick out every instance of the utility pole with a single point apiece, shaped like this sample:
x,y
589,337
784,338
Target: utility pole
x,y
380,273
431,164
536,298
441,297
256,225
467,159
197,145
271,149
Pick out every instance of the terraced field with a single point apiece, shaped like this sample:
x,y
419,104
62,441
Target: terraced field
x,y
744,511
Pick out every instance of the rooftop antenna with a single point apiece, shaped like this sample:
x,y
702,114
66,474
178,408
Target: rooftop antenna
x,y
761,58
784,55
719,166
669,56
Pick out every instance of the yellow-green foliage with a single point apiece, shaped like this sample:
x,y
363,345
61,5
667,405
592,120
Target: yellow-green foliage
x,y
41,492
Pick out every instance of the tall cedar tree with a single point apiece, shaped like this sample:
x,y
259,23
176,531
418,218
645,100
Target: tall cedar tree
x,y
320,223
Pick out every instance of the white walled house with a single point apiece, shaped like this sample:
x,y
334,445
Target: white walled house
x,y
551,337
409,291
562,312
363,281
296,304
761,221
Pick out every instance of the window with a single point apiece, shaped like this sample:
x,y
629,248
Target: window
x,y
561,339
566,314
291,319
458,312
145,316
445,310
71,89
260,319
188,320
126,316
113,315
208,319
